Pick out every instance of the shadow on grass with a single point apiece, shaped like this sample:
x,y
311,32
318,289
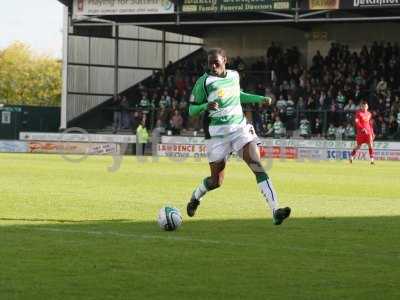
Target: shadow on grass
x,y
305,258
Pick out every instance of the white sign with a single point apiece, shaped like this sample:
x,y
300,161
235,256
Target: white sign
x,y
181,150
103,149
121,7
336,144
75,137
182,147
13,146
5,117
169,139
296,143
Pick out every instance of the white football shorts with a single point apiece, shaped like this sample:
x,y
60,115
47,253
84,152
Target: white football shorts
x,y
219,148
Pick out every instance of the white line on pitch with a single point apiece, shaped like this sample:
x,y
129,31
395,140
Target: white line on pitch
x,y
357,252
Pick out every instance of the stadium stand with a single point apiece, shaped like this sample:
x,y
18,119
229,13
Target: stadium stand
x,y
307,99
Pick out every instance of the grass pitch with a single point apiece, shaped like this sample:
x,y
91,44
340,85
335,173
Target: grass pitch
x,y
77,231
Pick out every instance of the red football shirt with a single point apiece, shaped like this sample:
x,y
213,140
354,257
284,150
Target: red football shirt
x,y
363,123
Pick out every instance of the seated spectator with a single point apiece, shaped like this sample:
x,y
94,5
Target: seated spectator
x,y
381,129
279,128
331,132
176,122
164,103
304,128
349,132
144,103
339,133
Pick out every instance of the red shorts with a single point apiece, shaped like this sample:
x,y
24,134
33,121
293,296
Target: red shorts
x,y
364,139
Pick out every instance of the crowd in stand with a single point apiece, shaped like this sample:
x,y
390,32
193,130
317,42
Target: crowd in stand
x,y
318,101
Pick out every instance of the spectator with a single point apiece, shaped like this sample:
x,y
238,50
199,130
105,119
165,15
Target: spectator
x,y
381,129
176,122
339,133
125,119
281,107
331,133
290,116
349,132
142,138
381,87
327,85
317,128
305,130
278,128
392,127
117,115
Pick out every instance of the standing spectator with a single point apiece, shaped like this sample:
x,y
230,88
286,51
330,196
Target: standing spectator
x,y
358,94
392,127
117,115
136,118
142,138
281,106
381,127
398,124
301,106
125,119
381,87
317,128
290,116
340,103
349,110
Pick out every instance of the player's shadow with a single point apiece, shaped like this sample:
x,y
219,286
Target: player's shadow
x,y
319,233
305,258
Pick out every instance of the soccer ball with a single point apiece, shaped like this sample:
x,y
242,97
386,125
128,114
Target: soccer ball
x,y
169,218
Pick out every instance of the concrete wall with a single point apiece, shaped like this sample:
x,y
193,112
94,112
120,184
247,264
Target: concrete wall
x,y
139,54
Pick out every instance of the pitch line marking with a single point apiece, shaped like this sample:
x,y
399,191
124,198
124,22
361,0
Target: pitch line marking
x,y
215,242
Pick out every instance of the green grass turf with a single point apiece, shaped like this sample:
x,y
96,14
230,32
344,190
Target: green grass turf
x,y
76,231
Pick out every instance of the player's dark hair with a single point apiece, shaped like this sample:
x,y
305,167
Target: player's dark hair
x,y
216,51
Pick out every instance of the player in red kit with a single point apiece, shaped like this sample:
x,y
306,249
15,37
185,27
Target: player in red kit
x,y
365,132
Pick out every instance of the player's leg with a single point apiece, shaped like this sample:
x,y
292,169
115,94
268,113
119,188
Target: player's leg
x,y
207,184
354,151
251,156
371,151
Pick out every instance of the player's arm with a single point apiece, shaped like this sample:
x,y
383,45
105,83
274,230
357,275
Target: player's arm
x,y
198,98
358,122
196,109
246,98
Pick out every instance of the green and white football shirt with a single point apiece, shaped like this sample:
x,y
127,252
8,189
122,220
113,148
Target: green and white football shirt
x,y
226,91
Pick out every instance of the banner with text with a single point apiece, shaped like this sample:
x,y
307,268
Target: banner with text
x,y
229,6
286,149
78,137
348,4
72,148
13,147
121,7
